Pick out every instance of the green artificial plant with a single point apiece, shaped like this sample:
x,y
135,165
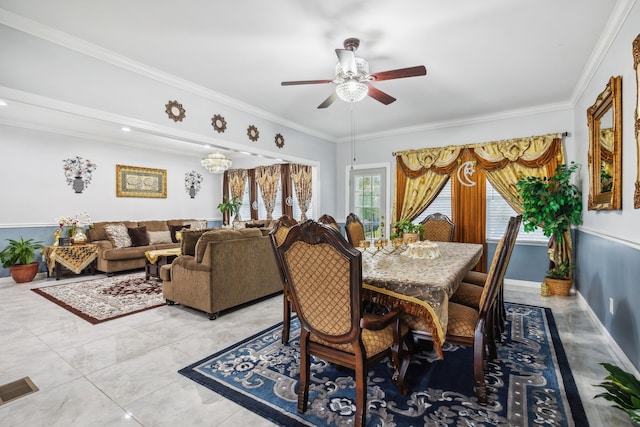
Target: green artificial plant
x,y
553,204
19,252
230,206
623,389
406,226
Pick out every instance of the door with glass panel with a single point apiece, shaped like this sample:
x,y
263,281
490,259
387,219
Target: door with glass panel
x,y
368,200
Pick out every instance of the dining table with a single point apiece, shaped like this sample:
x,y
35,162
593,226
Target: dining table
x,y
418,286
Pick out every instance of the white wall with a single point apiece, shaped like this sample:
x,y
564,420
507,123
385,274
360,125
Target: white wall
x,y
621,224
38,192
379,150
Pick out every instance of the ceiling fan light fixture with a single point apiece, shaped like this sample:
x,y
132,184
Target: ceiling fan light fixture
x,y
216,163
352,91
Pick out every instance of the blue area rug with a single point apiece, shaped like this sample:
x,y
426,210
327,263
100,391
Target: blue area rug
x,y
529,384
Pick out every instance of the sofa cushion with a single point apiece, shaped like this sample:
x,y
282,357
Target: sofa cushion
x,y
221,235
138,236
118,234
97,231
133,252
154,225
197,225
157,237
180,221
174,228
190,239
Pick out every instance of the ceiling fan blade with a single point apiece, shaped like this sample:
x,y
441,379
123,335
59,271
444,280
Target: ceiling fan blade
x,y
400,73
379,95
347,60
329,100
306,82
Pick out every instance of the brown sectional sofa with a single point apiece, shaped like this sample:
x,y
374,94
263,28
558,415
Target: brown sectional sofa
x,y
112,259
221,269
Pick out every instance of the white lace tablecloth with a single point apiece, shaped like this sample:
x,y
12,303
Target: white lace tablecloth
x,y
425,284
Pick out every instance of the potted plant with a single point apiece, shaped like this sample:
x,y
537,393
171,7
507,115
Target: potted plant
x,y
553,204
623,389
19,258
230,207
409,231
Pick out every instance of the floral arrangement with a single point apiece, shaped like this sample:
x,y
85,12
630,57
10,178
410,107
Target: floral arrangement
x,y
192,179
80,220
78,167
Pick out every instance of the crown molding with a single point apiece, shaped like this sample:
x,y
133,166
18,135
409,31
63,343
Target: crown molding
x,y
84,47
612,28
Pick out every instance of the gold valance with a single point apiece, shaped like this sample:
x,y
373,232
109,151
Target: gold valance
x,y
530,152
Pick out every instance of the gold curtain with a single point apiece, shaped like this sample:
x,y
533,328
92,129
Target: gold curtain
x,y
301,175
268,178
503,162
237,180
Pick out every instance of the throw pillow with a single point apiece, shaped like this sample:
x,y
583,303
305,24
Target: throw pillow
x,y
157,237
118,234
138,236
174,228
254,225
197,225
189,241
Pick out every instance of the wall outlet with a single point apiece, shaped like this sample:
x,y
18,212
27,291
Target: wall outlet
x,y
611,305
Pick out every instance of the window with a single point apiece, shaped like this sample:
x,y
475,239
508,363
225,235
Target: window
x,y
441,204
498,214
368,199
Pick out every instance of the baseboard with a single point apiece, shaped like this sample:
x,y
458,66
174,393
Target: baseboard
x,y
8,279
508,283
625,363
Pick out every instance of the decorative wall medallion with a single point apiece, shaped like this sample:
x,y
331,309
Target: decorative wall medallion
x,y
467,169
279,140
175,111
219,123
253,133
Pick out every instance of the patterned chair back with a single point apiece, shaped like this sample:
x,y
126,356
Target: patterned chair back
x,y
325,277
438,228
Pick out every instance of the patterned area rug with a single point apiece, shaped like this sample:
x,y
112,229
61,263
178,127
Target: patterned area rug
x,y
108,298
529,384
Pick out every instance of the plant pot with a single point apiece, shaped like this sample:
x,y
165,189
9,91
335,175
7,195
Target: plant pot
x,y
410,238
560,287
24,273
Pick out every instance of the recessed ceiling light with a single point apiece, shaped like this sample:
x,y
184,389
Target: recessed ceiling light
x,y
125,129
3,103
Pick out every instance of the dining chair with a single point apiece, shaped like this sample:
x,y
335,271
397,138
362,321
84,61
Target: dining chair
x,y
470,327
469,292
438,228
278,234
324,275
354,229
330,221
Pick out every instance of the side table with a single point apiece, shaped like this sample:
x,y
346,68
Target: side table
x,y
75,258
156,259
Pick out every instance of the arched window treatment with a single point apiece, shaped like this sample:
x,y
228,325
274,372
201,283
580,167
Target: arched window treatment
x,y
268,178
421,174
301,175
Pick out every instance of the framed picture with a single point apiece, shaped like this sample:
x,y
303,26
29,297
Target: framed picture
x,y
132,181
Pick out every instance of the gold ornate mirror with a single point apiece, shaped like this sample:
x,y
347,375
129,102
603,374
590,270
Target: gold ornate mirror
x,y
605,148
636,66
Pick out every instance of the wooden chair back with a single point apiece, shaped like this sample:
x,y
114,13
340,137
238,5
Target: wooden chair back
x,y
329,220
354,229
438,228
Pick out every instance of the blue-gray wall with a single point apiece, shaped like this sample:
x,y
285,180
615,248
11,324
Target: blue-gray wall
x,y
605,269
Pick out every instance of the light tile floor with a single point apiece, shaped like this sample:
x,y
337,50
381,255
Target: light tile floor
x,y
124,372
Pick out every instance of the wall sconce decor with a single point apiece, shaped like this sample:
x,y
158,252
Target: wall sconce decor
x,y
192,181
253,133
78,172
175,111
216,163
279,140
219,123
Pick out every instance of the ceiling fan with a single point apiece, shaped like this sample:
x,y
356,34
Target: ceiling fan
x,y
353,81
